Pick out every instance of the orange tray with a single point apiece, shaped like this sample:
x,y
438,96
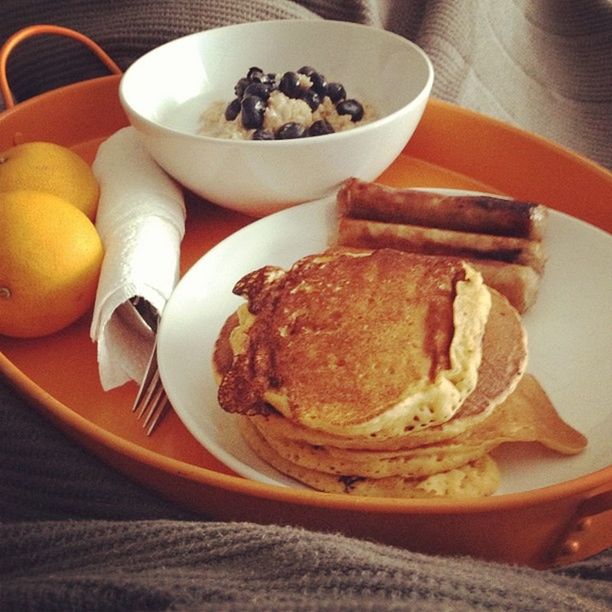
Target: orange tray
x,y
452,147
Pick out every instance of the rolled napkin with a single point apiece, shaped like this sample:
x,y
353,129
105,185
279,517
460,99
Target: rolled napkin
x,y
141,221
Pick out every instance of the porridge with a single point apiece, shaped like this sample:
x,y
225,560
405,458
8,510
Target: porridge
x,y
270,106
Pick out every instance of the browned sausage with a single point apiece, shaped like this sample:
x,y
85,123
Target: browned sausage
x,y
376,235
483,214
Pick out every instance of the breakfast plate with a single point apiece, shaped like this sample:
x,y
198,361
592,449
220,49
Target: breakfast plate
x,y
569,330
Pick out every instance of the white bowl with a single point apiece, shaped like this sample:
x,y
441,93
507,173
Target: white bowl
x,y
165,91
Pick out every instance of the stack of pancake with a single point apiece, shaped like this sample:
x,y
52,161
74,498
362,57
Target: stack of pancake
x,y
379,372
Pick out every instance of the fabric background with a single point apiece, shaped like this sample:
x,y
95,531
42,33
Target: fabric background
x,y
544,65
75,535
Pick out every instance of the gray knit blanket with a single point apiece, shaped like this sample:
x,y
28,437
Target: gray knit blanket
x,y
75,535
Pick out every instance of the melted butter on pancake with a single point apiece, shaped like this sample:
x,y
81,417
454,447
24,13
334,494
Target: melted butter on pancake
x,y
354,344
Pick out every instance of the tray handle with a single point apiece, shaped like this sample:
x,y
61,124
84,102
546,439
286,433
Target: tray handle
x,y
37,30
588,533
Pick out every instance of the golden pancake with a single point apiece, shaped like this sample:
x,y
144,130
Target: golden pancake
x,y
322,336
526,416
413,463
503,363
475,479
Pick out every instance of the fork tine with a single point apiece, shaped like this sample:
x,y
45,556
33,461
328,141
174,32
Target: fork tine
x,y
148,397
157,412
153,404
156,397
151,400
147,384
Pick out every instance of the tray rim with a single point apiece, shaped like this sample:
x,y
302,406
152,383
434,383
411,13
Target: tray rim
x,y
78,424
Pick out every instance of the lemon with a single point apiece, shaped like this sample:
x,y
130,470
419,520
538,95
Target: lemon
x,y
50,258
51,168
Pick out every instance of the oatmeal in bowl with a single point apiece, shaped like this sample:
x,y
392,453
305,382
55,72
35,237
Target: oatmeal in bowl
x,y
274,106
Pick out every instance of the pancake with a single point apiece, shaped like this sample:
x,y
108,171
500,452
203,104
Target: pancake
x,y
475,479
503,363
526,416
414,463
321,337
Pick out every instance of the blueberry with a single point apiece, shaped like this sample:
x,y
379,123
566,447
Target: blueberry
x,y
350,107
307,70
290,84
290,130
311,98
232,109
257,89
240,86
252,112
319,84
270,80
320,128
336,92
255,74
262,134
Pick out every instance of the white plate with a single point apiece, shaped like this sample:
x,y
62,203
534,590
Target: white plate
x,y
569,329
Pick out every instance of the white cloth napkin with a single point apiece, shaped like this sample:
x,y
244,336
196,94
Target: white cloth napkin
x,y
141,221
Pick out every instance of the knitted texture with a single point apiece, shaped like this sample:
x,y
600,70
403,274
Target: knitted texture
x,y
44,476
543,66
157,565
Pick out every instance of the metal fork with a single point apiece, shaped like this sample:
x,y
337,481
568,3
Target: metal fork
x,y
151,401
